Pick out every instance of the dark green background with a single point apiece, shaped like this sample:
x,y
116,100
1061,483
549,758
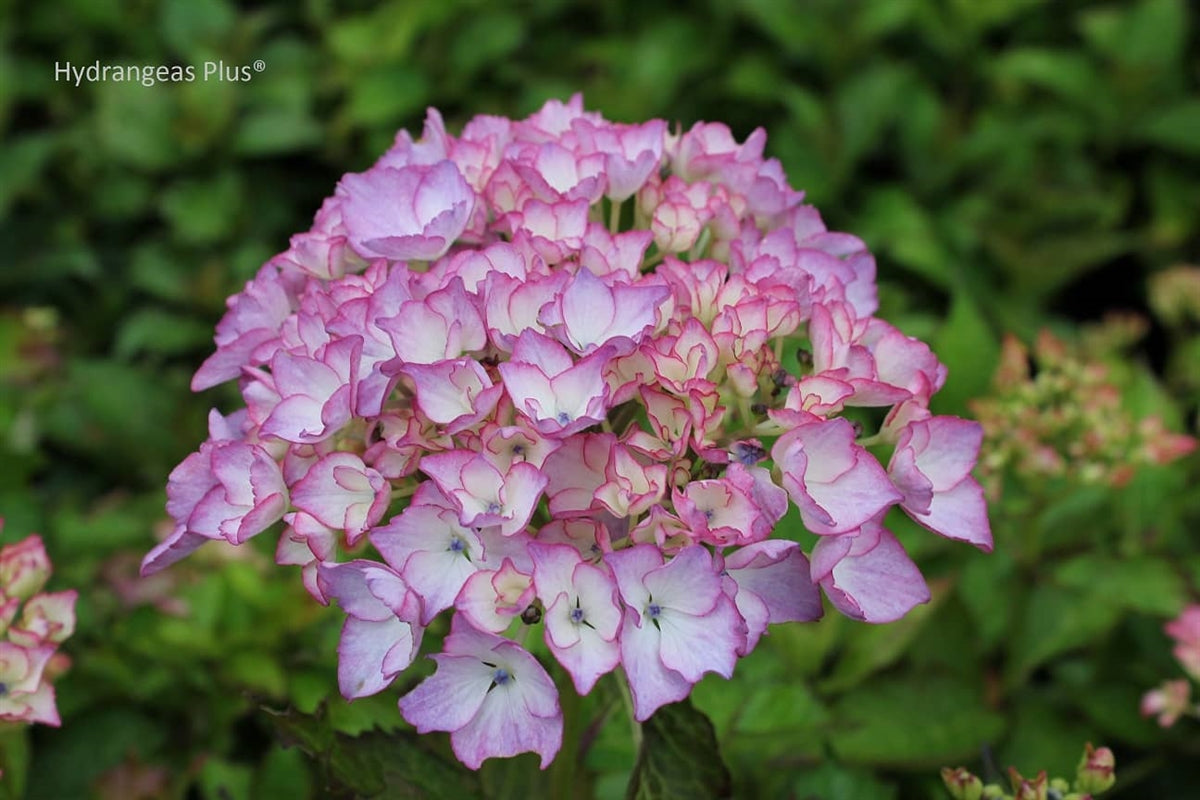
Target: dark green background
x,y
1012,163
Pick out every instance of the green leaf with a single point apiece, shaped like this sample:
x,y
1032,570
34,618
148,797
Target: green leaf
x,y
1175,200
870,648
1058,619
485,39
22,160
1044,737
153,330
877,20
968,348
805,647
133,124
384,96
989,590
116,414
876,722
118,522
894,223
202,212
1175,128
224,780
1065,73
275,131
1146,585
1151,33
307,689
1042,265
375,764
257,670
830,780
189,26
90,744
284,773
362,715
866,104
679,757
776,707
1111,703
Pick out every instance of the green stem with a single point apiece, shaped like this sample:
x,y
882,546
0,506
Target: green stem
x,y
614,216
701,244
627,699
564,783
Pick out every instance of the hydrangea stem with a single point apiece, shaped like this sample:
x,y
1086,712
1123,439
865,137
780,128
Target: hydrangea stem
x,y
564,772
627,699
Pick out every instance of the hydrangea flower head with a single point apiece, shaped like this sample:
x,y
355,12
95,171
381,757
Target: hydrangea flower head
x,y
539,373
32,626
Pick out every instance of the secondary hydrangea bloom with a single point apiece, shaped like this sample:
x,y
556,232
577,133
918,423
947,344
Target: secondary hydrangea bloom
x,y
33,624
1173,698
1056,411
572,373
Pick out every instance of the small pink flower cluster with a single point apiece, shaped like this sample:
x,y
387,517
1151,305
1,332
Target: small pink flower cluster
x,y
1173,698
33,625
554,350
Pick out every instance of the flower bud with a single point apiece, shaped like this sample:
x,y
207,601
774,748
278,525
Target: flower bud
x,y
24,568
963,785
1027,789
532,614
1097,770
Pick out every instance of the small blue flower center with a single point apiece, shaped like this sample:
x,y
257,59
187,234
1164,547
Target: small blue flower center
x,y
500,676
654,610
576,615
493,507
457,545
563,418
747,454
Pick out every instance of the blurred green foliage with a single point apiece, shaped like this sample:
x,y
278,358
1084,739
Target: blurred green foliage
x,y
1014,164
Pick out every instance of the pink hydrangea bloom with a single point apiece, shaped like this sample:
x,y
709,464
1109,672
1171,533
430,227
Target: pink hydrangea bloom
x,y
773,585
583,615
1185,630
932,465
493,697
381,635
342,492
483,494
414,212
540,366
1168,702
558,395
32,626
24,567
678,624
231,490
836,484
867,575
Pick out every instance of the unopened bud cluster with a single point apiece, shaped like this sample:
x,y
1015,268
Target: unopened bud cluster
x,y
1095,775
1057,413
